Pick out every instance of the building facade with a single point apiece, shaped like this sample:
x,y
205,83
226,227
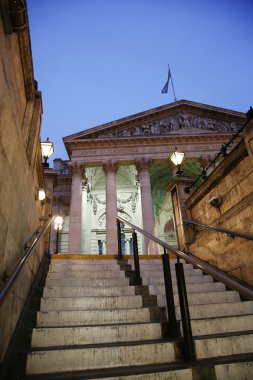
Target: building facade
x,y
21,171
123,168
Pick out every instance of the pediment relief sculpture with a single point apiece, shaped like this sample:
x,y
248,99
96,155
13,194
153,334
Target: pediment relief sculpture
x,y
183,122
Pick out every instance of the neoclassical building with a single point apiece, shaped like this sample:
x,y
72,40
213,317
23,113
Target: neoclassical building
x,y
123,168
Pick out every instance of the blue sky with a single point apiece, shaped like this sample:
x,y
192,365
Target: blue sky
x,y
99,60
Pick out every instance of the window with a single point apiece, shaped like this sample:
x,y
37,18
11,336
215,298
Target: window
x,y
131,247
123,244
100,247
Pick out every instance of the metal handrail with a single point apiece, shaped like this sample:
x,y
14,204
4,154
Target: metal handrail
x,y
6,288
218,275
219,229
30,239
222,153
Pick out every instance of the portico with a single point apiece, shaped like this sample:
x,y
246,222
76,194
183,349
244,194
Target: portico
x,y
123,168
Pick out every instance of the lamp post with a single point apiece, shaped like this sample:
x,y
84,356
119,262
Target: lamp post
x,y
177,159
58,222
47,149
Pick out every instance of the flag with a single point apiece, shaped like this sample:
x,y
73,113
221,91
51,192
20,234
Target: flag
x,y
165,88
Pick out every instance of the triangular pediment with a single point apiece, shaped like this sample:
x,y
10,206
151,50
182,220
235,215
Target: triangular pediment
x,y
182,117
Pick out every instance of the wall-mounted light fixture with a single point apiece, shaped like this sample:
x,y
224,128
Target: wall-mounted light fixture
x,y
47,149
40,194
177,159
215,201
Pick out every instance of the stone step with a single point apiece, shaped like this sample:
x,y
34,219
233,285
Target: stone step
x,y
67,291
92,317
87,267
223,346
155,261
234,371
188,279
87,304
66,336
159,265
218,310
87,274
72,281
179,374
230,371
203,298
90,303
221,325
157,273
84,262
191,288
67,360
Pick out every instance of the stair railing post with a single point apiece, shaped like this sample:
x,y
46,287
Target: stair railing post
x,y
119,240
173,325
185,314
57,242
137,279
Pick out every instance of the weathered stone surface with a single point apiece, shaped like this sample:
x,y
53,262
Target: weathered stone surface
x,y
19,211
233,182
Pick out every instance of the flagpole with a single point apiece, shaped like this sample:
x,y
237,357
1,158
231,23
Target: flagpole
x,y
175,99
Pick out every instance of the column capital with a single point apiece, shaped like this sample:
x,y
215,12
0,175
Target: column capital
x,y
76,168
143,163
110,166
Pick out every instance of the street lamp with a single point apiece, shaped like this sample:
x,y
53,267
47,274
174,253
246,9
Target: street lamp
x,y
177,159
58,222
47,149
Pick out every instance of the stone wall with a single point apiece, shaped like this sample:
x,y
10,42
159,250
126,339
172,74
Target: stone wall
x,y
21,172
232,180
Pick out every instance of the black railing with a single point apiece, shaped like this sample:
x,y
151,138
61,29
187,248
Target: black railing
x,y
222,153
28,251
182,293
172,324
229,233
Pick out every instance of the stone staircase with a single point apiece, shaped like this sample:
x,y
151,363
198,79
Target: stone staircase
x,y
92,324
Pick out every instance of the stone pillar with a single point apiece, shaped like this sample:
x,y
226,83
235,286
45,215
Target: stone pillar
x,y
127,246
85,219
143,166
110,169
104,247
179,194
75,216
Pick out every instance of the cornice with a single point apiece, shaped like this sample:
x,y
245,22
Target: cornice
x,y
149,141
26,58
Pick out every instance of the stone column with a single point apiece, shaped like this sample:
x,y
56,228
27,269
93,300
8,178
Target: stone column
x,y
75,216
110,169
179,194
143,166
127,246
104,247
85,219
